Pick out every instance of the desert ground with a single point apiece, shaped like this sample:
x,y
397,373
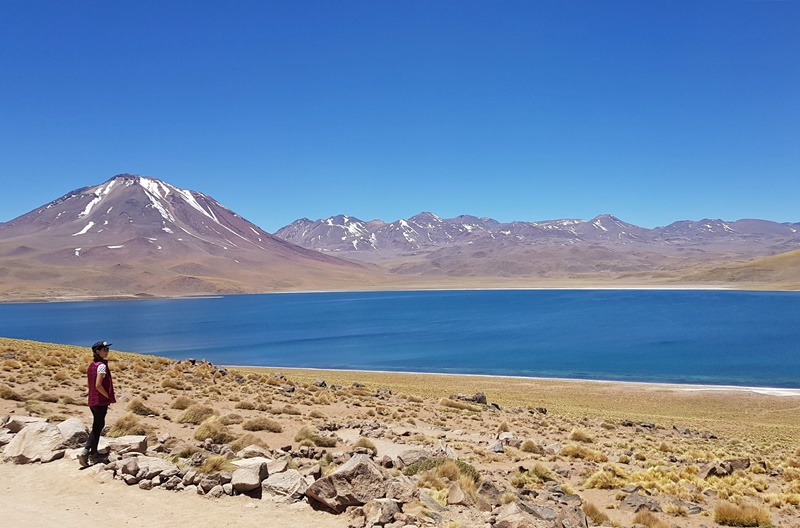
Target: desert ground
x,y
594,442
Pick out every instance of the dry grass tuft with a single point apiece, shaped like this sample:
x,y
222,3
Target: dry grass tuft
x,y
129,424
196,414
214,429
262,424
182,403
729,514
311,434
8,393
584,453
597,516
367,444
579,435
216,464
649,519
458,404
137,406
610,477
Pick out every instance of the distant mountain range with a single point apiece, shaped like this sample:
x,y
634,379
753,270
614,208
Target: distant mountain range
x,y
134,235
428,232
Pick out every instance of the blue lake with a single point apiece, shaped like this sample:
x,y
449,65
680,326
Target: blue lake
x,y
706,337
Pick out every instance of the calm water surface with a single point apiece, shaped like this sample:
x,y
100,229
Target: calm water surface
x,y
708,337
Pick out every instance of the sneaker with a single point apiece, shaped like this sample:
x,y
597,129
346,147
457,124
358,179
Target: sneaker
x,y
83,458
97,458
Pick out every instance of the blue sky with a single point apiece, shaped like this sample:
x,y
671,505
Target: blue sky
x,y
654,111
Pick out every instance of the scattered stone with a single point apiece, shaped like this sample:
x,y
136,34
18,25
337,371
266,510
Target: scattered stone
x,y
636,502
497,448
513,515
16,424
320,383
123,444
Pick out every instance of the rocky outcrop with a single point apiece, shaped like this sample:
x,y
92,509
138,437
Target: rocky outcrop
x,y
354,483
289,486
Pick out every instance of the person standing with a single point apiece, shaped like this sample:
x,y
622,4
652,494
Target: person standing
x,y
101,395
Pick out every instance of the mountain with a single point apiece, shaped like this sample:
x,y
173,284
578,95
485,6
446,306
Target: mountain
x,y
605,246
134,234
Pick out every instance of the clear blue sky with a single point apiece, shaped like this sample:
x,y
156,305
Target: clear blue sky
x,y
653,111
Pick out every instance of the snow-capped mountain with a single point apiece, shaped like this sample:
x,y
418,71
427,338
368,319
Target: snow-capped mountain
x,y
428,232
142,234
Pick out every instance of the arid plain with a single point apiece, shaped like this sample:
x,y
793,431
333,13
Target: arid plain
x,y
598,441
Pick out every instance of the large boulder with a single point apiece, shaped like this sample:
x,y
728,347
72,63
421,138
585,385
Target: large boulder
x,y
16,424
36,442
409,456
354,483
248,478
74,432
288,486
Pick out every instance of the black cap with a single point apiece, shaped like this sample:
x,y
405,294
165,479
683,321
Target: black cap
x,y
99,345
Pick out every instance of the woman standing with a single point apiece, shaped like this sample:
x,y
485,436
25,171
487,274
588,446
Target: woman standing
x,y
101,395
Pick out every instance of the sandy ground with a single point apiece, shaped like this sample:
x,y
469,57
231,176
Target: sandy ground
x,y
60,494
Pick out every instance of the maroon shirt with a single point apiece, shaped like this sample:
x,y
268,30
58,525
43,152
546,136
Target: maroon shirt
x,y
95,398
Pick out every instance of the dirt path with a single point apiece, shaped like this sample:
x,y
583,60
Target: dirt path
x,y
59,494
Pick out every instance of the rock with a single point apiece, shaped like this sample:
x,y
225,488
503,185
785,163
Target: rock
x,y
479,398
380,511
123,444
513,515
74,432
189,478
572,517
636,502
320,383
356,482
716,469
36,442
497,448
278,466
288,486
154,466
253,450
456,495
429,502
249,478
16,424
738,463
216,492
409,456
401,488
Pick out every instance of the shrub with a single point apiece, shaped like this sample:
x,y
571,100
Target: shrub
x,y
216,464
729,514
246,405
196,414
310,434
231,418
579,435
182,403
127,425
262,424
247,440
458,404
137,406
594,513
610,477
317,414
215,430
529,446
7,393
579,451
366,443
503,428
649,519
430,463
291,410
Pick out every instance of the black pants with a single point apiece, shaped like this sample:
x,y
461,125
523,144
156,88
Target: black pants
x,y
99,413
